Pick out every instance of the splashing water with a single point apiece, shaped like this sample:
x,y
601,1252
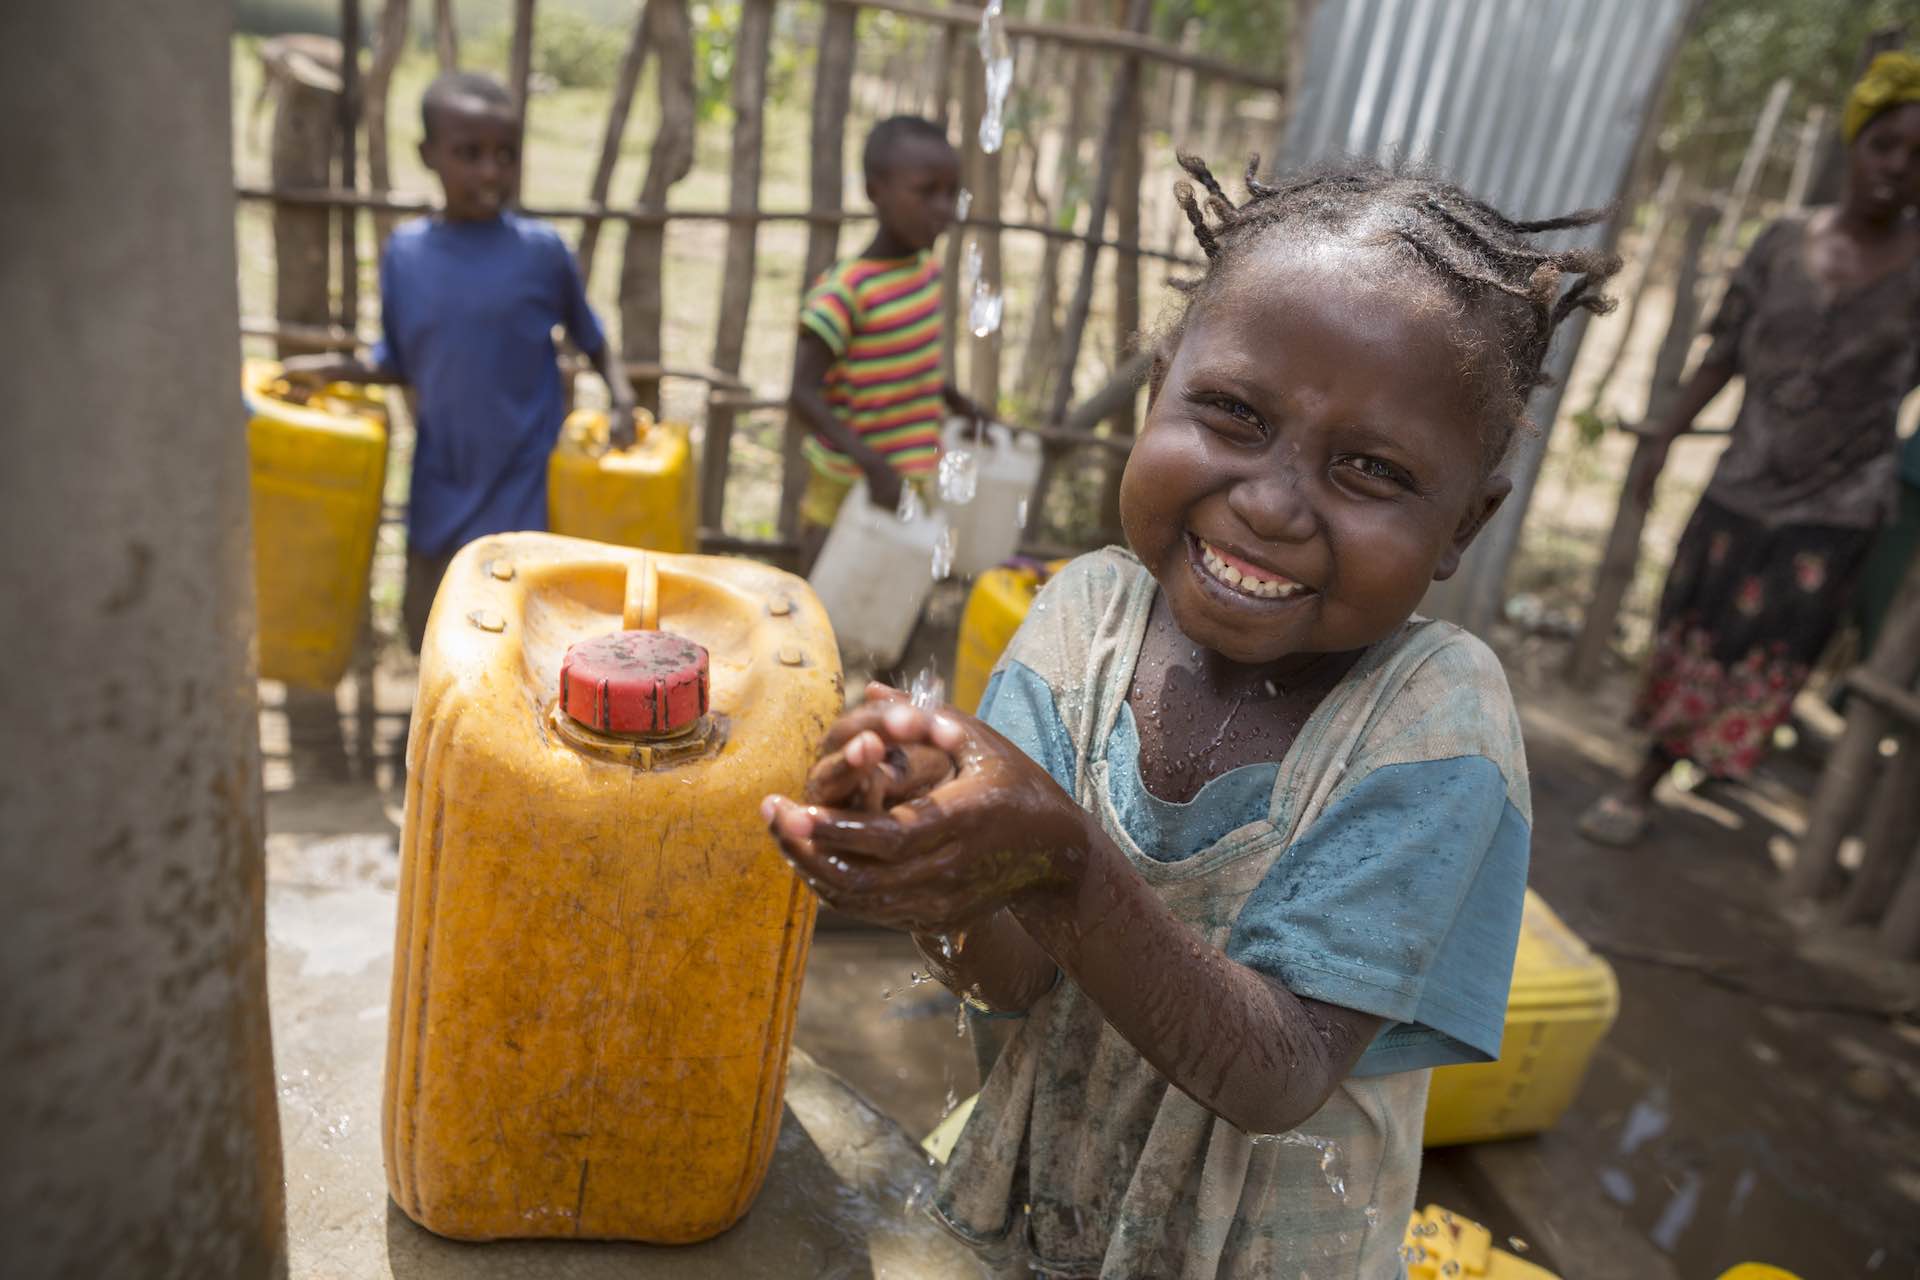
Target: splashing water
x,y
996,55
960,1021
959,477
974,267
1020,513
914,979
910,508
943,556
962,204
1329,1157
928,689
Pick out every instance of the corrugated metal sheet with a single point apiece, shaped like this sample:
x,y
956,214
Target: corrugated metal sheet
x,y
1534,105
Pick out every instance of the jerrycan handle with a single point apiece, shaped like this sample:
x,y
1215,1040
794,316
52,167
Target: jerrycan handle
x,y
641,609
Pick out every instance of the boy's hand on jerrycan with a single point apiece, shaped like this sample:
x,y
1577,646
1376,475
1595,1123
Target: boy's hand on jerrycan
x,y
621,428
997,830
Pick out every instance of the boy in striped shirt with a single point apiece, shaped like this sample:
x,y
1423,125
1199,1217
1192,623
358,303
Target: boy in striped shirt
x,y
867,377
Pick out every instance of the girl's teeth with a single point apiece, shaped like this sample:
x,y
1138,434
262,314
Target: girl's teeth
x,y
1244,583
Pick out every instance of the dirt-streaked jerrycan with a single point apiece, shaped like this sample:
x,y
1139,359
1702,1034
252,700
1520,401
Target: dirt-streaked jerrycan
x,y
599,948
645,495
318,469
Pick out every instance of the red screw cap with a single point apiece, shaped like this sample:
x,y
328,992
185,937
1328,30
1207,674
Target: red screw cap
x,y
651,682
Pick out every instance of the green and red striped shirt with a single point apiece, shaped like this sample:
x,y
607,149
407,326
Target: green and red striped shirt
x,y
881,319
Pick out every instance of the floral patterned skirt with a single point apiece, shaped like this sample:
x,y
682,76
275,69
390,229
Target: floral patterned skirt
x,y
1746,612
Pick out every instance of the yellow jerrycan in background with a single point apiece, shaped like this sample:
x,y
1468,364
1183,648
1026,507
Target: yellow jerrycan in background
x,y
599,948
996,607
645,495
318,472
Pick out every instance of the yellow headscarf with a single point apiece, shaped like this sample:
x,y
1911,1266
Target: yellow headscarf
x,y
1892,80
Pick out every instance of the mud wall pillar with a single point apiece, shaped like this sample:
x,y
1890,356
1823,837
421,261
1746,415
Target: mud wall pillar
x,y
136,1074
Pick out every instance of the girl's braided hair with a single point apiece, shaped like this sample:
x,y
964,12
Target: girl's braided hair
x,y
1515,292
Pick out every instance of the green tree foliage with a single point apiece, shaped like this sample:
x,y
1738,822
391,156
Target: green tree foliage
x,y
1738,48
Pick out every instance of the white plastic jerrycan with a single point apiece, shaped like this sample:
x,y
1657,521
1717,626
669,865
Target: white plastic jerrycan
x,y
874,573
1006,465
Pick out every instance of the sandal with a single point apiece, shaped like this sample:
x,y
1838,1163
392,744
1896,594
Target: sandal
x,y
1613,821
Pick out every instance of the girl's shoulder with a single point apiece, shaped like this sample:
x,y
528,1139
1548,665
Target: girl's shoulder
x,y
1082,608
1435,691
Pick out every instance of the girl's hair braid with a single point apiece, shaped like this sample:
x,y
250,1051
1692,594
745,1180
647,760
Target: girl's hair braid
x,y
1516,291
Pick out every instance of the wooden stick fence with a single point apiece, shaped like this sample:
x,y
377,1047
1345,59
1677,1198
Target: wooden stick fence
x,y
662,34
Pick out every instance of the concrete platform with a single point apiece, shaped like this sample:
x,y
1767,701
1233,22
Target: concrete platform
x,y
837,1202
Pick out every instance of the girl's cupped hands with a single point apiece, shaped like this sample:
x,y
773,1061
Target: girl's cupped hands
x,y
927,820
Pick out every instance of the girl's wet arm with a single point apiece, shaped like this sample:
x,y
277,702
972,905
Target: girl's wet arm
x,y
1234,1040
994,962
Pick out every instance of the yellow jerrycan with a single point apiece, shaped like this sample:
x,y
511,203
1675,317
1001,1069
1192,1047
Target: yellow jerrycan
x,y
996,607
318,471
645,495
1444,1246
1562,1001
598,951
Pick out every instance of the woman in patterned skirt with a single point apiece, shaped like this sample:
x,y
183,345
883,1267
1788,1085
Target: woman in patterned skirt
x,y
1822,321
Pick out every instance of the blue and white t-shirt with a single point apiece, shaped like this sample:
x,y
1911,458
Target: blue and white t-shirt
x,y
1381,867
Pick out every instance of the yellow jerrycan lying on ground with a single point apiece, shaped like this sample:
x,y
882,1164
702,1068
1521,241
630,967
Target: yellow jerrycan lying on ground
x,y
645,495
1441,1246
996,607
318,472
1563,999
599,948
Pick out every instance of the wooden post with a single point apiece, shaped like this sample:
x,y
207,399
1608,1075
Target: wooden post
x,y
1126,85
304,125
983,364
1664,199
520,66
349,129
1736,207
1804,153
963,89
1886,832
671,159
1851,765
1622,554
1126,293
1900,927
832,89
617,112
751,48
391,43
446,36
1043,326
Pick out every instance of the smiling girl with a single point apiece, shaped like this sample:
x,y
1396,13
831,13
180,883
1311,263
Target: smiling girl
x,y
1240,840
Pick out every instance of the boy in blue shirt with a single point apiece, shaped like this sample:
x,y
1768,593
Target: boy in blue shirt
x,y
469,298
